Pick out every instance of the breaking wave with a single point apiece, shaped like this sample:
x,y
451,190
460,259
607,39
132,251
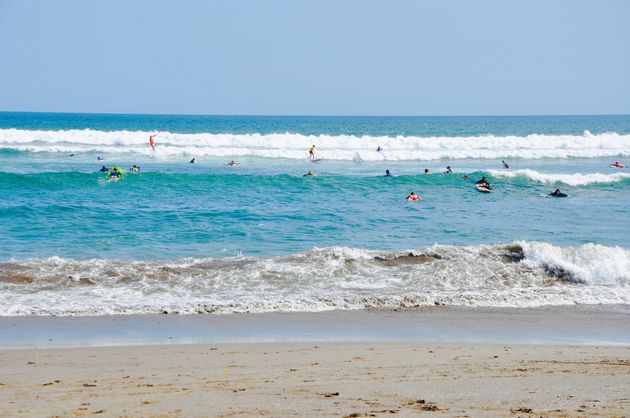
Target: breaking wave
x,y
516,275
571,179
337,147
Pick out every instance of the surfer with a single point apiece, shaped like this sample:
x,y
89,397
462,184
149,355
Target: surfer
x,y
379,149
231,163
134,168
558,193
99,158
192,161
387,173
115,173
152,141
505,165
104,169
618,165
413,197
311,153
448,170
483,183
465,177
310,174
426,171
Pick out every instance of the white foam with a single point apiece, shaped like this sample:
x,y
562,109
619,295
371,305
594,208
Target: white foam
x,y
573,179
320,279
338,147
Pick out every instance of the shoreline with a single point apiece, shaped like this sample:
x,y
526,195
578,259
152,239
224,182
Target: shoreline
x,y
579,324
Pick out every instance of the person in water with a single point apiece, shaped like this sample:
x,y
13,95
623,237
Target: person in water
x,y
311,153
233,163
115,172
152,141
387,173
465,177
448,170
483,183
413,197
426,171
507,167
192,161
134,168
557,193
618,165
99,158
310,174
104,169
379,149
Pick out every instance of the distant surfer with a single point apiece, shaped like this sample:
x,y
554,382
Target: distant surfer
x,y
558,193
310,174
448,170
115,174
465,177
99,158
134,168
483,183
618,165
426,171
413,197
387,173
152,141
104,169
193,161
379,149
231,163
71,155
311,153
505,165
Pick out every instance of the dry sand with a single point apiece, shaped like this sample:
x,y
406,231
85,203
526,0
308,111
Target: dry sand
x,y
317,379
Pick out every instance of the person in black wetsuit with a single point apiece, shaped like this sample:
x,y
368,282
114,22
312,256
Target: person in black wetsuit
x,y
104,169
483,183
387,173
558,193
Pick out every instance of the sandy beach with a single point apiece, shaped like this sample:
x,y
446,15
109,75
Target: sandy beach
x,y
559,361
324,379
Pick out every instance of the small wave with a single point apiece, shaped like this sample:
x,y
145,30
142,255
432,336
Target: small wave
x,y
520,274
573,179
337,147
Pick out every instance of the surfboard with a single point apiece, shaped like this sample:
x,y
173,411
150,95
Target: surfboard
x,y
482,189
316,160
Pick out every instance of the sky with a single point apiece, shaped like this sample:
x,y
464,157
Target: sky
x,y
316,57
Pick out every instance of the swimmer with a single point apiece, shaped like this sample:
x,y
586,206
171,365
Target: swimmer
x,y
413,197
379,149
465,177
387,173
231,163
134,168
192,161
99,158
507,167
448,169
104,169
71,155
311,153
310,174
426,171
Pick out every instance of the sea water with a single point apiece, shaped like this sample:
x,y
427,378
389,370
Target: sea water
x,y
260,236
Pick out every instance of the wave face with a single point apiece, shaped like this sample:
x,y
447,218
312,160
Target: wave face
x,y
333,147
520,274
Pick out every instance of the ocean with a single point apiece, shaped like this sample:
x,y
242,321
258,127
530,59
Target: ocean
x,y
259,236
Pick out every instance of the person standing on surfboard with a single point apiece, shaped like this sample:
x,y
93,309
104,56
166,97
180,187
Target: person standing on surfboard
x,y
152,141
311,153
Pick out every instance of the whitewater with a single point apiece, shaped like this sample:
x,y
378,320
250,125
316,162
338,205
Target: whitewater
x,y
338,147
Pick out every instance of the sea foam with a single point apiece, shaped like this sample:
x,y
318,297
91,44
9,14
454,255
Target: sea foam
x,y
338,147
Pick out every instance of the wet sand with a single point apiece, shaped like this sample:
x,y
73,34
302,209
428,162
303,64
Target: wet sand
x,y
323,379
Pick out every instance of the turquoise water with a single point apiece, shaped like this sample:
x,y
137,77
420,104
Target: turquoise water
x,y
56,203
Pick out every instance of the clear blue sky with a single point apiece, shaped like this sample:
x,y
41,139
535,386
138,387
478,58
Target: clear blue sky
x,y
316,57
